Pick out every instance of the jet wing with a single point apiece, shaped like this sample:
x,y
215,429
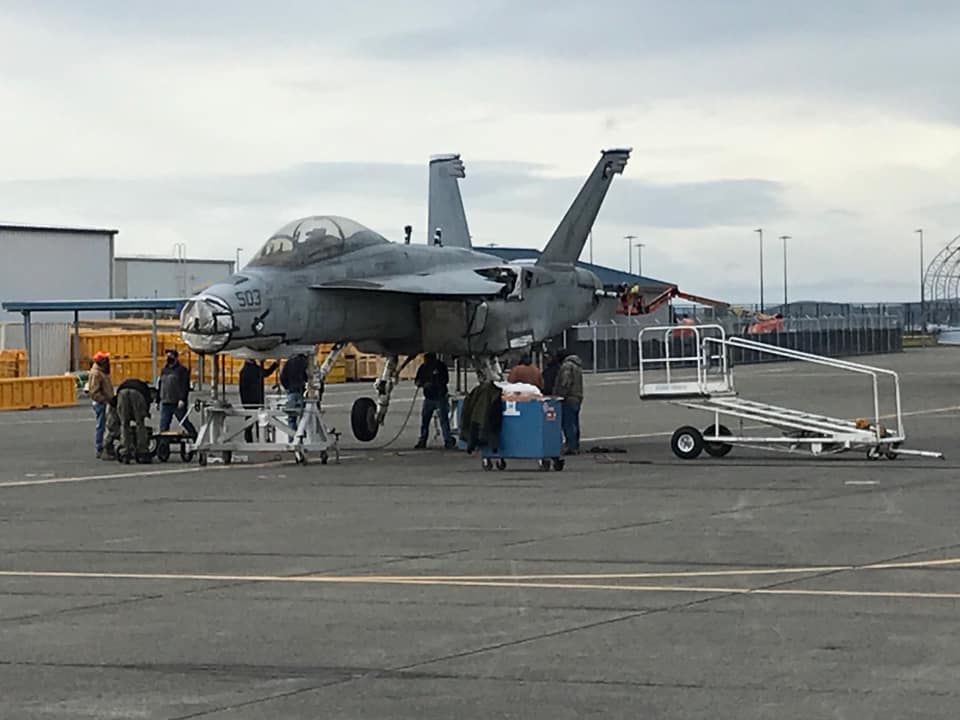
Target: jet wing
x,y
461,282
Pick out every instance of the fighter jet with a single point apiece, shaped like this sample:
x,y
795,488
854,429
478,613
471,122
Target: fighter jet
x,y
328,279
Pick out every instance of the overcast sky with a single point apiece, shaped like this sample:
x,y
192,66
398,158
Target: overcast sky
x,y
214,123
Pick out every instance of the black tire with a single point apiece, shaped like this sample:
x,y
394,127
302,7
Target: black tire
x,y
687,443
558,464
715,449
487,464
202,459
324,458
163,450
185,453
874,453
545,465
363,419
501,464
227,457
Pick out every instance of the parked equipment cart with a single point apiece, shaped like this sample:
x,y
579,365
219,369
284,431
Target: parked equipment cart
x,y
531,430
692,369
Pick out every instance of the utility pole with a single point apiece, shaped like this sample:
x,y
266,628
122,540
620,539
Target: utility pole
x,y
639,247
759,231
923,290
236,268
630,239
784,238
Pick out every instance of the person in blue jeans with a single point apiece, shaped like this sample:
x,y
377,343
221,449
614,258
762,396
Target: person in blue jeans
x,y
433,378
293,379
100,390
569,386
173,390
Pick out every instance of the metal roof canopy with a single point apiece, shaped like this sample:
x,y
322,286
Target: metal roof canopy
x,y
57,228
27,309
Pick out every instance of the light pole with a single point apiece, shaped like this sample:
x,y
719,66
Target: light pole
x,y
759,231
639,247
236,268
630,239
784,238
923,290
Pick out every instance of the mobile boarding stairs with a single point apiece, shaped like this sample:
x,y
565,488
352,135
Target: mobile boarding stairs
x,y
694,371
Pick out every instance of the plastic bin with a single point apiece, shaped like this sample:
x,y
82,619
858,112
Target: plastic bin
x,y
531,430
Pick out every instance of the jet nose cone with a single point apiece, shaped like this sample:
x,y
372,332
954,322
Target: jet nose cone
x,y
206,324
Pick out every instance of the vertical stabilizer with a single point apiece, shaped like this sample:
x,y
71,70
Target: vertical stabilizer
x,y
568,239
445,204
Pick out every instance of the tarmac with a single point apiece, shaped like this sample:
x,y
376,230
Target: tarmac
x,y
405,584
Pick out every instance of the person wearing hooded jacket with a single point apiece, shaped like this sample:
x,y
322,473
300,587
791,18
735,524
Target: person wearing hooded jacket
x,y
101,393
569,387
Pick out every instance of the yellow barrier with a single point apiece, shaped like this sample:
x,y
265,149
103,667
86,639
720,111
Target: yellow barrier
x,y
13,363
38,392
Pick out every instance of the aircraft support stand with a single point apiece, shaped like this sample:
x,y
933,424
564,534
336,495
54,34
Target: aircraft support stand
x,y
275,427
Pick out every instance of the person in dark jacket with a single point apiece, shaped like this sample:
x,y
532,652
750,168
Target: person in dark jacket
x,y
252,375
550,372
173,389
569,386
133,408
294,379
482,417
433,378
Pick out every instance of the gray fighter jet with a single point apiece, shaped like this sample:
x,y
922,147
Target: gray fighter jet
x,y
328,279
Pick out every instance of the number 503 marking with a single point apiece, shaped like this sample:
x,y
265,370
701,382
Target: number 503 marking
x,y
248,298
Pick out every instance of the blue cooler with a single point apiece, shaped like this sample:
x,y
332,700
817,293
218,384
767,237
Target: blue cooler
x,y
531,430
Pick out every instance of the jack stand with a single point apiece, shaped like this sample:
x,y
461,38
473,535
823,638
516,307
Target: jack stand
x,y
223,425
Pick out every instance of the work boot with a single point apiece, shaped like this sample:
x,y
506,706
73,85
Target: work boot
x,y
421,445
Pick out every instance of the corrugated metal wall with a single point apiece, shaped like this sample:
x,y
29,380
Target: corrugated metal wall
x,y
54,265
50,351
150,278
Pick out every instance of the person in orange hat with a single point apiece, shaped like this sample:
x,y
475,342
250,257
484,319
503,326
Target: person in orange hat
x,y
100,390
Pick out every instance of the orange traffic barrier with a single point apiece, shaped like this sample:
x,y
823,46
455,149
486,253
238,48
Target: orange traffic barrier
x,y
38,392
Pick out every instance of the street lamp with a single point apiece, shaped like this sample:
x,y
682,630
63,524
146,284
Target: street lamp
x,y
630,239
759,231
923,290
639,247
784,238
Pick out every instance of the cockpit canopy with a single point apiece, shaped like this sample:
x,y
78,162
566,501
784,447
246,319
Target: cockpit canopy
x,y
311,239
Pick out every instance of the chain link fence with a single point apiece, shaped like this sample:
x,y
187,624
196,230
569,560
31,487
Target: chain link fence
x,y
613,346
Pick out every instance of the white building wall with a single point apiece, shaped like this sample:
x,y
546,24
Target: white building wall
x,y
163,278
54,265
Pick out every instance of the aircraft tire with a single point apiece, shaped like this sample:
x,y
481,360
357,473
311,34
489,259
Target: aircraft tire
x,y
687,443
717,449
363,419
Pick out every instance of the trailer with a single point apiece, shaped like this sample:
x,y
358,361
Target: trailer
x,y
694,371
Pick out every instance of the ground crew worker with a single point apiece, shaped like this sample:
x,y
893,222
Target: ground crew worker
x,y
252,375
569,386
294,378
113,431
101,392
133,408
432,378
550,372
173,389
526,372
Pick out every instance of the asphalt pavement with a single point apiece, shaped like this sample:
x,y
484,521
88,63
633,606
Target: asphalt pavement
x,y
412,584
